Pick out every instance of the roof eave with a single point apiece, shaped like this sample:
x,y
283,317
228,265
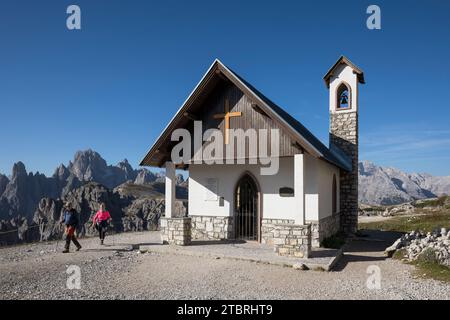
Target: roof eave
x,y
343,59
155,144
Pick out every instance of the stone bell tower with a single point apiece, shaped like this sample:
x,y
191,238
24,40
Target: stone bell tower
x,y
342,80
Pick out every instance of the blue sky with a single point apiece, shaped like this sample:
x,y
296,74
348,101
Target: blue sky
x,y
115,84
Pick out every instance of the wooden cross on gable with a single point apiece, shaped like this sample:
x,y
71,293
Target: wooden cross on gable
x,y
227,115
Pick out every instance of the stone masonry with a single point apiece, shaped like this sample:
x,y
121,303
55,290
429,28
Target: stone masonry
x,y
287,238
212,228
268,226
176,231
323,229
344,134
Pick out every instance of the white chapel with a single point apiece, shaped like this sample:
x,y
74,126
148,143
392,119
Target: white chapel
x,y
255,172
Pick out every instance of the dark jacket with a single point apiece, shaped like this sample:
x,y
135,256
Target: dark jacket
x,y
70,218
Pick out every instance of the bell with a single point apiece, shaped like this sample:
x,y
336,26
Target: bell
x,y
344,99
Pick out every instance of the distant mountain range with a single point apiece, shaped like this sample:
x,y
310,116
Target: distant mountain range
x,y
21,192
387,186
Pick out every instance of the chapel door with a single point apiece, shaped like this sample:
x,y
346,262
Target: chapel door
x,y
246,220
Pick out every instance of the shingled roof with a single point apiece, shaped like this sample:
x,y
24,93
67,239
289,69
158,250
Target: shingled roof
x,y
305,138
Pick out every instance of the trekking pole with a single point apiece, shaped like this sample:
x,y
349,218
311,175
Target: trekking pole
x,y
57,241
114,237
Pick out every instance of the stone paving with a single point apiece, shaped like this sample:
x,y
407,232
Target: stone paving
x,y
320,259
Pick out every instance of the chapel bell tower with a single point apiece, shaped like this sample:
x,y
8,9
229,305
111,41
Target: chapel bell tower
x,y
342,80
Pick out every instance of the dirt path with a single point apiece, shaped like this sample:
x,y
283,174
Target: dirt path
x,y
120,272
367,219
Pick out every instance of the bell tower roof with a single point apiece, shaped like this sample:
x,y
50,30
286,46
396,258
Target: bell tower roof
x,y
344,60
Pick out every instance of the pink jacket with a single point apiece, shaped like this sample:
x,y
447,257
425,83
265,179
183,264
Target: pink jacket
x,y
101,216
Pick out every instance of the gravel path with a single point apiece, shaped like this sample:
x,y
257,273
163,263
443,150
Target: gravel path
x,y
118,271
368,219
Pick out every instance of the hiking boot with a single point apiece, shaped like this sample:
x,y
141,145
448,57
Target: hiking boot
x,y
78,248
66,251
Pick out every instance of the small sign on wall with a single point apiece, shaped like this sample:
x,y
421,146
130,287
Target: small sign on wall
x,y
211,189
286,192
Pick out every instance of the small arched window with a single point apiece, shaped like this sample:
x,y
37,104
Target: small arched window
x,y
334,195
343,97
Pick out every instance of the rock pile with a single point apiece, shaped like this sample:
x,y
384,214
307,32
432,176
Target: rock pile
x,y
417,243
405,208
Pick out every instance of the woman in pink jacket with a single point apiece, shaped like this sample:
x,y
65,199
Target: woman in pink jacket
x,y
100,221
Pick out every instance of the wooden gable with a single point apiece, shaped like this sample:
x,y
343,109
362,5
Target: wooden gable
x,y
252,117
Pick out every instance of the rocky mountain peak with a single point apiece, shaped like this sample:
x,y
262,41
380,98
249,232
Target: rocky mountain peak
x,y
18,170
145,176
87,165
388,186
125,166
367,167
125,161
3,183
61,173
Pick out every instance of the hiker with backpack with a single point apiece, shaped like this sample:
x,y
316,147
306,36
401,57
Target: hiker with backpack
x,y
101,221
71,221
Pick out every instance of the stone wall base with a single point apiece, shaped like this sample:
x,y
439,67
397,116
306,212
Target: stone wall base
x,y
176,231
268,226
288,239
323,229
212,228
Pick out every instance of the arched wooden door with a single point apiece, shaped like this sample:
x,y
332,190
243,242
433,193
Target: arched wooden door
x,y
246,220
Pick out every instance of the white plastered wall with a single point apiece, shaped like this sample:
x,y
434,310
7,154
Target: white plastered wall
x,y
318,181
273,205
318,188
326,189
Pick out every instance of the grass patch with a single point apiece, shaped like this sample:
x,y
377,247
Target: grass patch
x,y
439,202
399,254
432,270
334,242
426,223
427,256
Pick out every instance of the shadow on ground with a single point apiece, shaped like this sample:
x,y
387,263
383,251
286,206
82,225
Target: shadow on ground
x,y
215,242
124,247
369,245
